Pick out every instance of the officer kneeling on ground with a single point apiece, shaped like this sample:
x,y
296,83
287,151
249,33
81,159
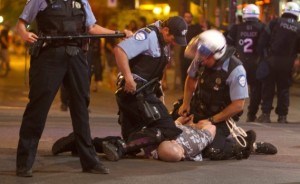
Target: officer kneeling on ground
x,y
215,91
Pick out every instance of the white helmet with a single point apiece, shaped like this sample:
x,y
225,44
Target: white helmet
x,y
292,8
210,42
251,11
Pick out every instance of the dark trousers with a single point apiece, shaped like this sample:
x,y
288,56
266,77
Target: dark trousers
x,y
255,85
64,95
47,72
132,118
254,97
221,143
279,80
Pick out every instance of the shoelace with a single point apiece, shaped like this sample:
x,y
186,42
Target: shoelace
x,y
237,133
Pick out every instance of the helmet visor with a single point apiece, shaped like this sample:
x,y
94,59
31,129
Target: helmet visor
x,y
204,52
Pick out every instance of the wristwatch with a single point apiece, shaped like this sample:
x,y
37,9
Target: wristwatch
x,y
117,32
211,119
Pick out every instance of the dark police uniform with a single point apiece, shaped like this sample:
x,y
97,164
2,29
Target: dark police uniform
x,y
244,37
281,40
216,88
148,56
57,62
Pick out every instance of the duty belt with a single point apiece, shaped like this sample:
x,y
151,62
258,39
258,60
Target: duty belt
x,y
63,43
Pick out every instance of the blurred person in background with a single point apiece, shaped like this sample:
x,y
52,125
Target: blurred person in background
x,y
193,30
111,65
4,46
279,46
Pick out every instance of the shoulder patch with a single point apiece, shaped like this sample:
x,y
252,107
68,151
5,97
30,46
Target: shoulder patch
x,y
242,80
140,35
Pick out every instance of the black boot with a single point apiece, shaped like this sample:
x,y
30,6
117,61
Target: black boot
x,y
146,136
265,148
136,141
264,118
64,144
282,119
251,118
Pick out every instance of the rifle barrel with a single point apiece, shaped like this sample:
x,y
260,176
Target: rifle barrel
x,y
71,37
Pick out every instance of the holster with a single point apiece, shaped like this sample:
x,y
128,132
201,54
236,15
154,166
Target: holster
x,y
150,111
35,48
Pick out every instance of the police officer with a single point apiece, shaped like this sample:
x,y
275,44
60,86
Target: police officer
x,y
53,63
142,59
281,41
215,90
244,37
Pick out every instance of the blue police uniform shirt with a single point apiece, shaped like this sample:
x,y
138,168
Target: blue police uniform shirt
x,y
142,42
236,80
32,8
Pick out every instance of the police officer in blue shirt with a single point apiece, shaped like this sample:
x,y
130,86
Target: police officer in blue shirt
x,y
215,90
56,62
142,59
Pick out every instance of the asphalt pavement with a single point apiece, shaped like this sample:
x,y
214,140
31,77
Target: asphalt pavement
x,y
282,168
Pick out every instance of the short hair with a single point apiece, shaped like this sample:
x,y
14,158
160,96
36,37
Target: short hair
x,y
169,152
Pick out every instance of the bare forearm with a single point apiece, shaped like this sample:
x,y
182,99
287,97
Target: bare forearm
x,y
21,28
189,88
234,108
123,63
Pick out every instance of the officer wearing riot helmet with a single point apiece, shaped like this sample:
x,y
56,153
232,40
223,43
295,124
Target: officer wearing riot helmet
x,y
244,37
53,63
280,42
215,90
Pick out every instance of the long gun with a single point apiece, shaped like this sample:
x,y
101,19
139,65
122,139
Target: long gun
x,y
34,49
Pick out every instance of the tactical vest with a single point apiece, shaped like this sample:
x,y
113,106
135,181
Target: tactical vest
x,y
149,67
62,17
212,93
284,36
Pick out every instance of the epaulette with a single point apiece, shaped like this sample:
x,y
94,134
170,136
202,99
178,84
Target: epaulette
x,y
147,29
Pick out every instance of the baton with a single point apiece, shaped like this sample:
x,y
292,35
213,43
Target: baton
x,y
140,88
71,37
146,85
